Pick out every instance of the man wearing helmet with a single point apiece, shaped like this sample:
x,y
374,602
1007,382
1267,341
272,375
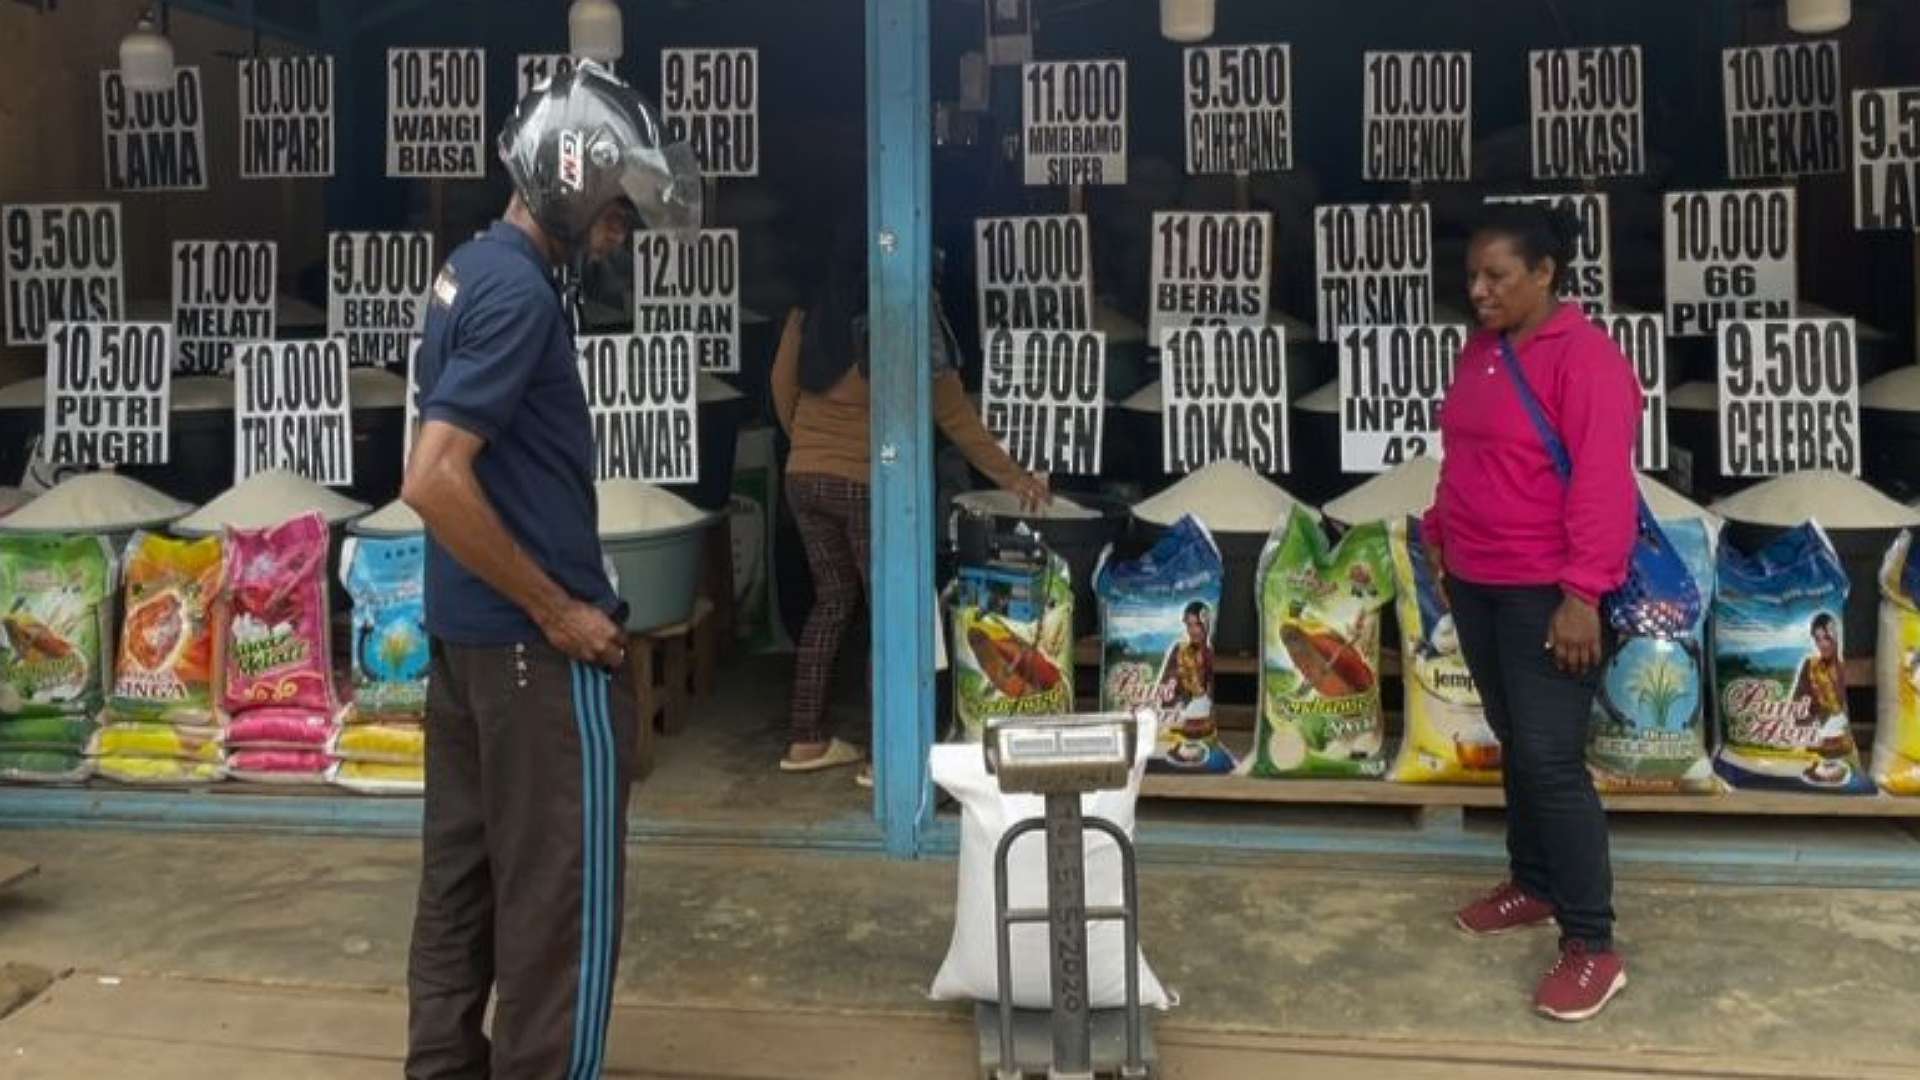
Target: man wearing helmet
x,y
531,712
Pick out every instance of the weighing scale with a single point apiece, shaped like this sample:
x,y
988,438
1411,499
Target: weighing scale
x,y
1063,758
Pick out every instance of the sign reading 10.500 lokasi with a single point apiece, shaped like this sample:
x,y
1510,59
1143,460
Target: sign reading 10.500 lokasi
x,y
1587,112
62,264
291,411
108,386
1226,397
1789,397
1044,397
692,289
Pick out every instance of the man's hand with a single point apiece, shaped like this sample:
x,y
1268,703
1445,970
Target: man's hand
x,y
586,634
1574,636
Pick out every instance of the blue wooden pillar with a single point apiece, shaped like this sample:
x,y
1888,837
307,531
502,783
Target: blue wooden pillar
x,y
899,220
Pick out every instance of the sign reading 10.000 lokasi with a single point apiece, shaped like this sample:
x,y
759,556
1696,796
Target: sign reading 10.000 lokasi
x,y
1226,397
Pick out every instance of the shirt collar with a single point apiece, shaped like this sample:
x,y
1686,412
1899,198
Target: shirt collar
x,y
1569,316
501,232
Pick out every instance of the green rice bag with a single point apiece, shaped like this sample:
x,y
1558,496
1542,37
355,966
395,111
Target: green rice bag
x,y
43,767
68,734
54,612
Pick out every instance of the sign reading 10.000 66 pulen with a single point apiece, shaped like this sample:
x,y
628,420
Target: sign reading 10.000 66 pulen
x,y
1729,255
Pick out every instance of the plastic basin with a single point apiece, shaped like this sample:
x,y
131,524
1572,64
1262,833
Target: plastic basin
x,y
659,573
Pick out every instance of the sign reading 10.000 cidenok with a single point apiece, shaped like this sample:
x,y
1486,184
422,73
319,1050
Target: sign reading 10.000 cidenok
x,y
1044,397
291,410
1418,118
1789,397
640,390
108,386
1225,397
1392,381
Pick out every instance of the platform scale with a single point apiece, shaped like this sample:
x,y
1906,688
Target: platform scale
x,y
1063,758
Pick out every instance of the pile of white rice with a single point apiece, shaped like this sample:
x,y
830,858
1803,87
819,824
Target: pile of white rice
x,y
200,393
1669,505
1226,496
1694,397
1147,399
1896,391
712,391
1324,400
394,519
1834,499
101,502
635,507
25,394
266,499
1007,504
376,388
1407,489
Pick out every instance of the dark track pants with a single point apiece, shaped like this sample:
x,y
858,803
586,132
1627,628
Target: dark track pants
x,y
529,759
1556,828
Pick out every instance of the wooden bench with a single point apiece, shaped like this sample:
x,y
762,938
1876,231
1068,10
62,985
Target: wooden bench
x,y
673,666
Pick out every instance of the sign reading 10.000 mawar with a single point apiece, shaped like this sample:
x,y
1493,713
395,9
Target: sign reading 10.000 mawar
x,y
1588,121
108,386
157,141
1033,273
1226,397
1643,338
286,117
692,289
1209,269
377,293
1886,158
1729,256
1044,397
1373,265
62,265
710,100
1591,282
1418,118
223,294
436,113
1075,122
1392,381
1789,397
1783,110
291,411
1239,106
640,389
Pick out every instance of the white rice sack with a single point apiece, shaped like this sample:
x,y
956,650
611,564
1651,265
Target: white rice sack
x,y
971,971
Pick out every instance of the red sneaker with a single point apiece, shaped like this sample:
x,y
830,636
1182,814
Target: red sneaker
x,y
1580,983
1502,911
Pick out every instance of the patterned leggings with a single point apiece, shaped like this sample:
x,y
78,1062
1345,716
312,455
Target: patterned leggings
x,y
833,515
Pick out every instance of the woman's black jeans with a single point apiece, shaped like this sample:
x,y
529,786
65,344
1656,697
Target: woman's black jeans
x,y
1556,828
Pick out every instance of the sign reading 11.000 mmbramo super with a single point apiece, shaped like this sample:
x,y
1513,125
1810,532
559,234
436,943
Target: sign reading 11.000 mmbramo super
x,y
1075,122
1044,397
290,411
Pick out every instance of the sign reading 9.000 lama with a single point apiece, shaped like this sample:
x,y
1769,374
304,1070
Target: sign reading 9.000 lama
x,y
157,141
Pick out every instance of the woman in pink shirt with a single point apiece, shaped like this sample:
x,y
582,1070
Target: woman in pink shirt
x,y
1526,555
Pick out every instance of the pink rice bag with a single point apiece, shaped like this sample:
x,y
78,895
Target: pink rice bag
x,y
277,644
277,728
279,766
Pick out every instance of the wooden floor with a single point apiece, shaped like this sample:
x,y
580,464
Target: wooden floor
x,y
172,1029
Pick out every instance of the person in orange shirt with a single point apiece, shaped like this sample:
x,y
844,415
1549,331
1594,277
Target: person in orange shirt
x,y
821,397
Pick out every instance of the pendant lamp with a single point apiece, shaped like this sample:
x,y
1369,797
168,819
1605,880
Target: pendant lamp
x,y
1186,21
1818,16
594,31
146,59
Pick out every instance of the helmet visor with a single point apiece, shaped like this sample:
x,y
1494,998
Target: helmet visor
x,y
664,184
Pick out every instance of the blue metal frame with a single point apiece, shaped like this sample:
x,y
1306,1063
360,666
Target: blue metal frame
x,y
899,217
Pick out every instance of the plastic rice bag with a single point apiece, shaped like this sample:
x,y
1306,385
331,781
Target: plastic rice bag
x,y
1649,729
1013,645
280,729
158,772
1320,651
165,664
1896,739
156,741
374,778
277,647
387,581
1157,616
67,734
391,744
279,766
44,766
55,623
1779,667
1447,739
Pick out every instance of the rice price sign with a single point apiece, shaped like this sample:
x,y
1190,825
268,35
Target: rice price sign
x,y
1588,118
154,141
1209,269
710,100
1789,397
436,113
1418,118
107,393
286,117
62,265
412,416
1033,273
1373,265
1886,158
377,293
1045,397
532,69
1074,122
1239,109
290,410
1591,283
1226,397
692,289
1392,381
1783,110
640,391
1729,255
223,294
1643,338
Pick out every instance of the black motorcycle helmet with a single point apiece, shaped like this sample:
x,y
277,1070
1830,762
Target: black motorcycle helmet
x,y
583,140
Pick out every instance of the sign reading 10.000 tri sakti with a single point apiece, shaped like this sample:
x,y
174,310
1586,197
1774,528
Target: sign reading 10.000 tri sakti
x,y
1044,397
692,289
290,411
1239,109
1643,340
1373,265
1074,122
1226,397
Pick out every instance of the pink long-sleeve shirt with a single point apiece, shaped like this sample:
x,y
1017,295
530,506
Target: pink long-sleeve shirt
x,y
1503,515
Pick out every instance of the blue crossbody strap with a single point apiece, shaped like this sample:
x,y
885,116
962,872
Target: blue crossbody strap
x,y
1556,449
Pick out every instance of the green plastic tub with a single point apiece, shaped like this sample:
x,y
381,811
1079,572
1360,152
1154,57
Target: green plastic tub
x,y
658,572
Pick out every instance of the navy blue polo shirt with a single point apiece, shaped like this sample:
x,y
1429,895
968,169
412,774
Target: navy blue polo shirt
x,y
497,360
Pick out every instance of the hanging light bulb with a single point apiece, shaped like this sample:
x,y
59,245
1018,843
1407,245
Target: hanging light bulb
x,y
1818,16
1186,21
594,31
146,58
